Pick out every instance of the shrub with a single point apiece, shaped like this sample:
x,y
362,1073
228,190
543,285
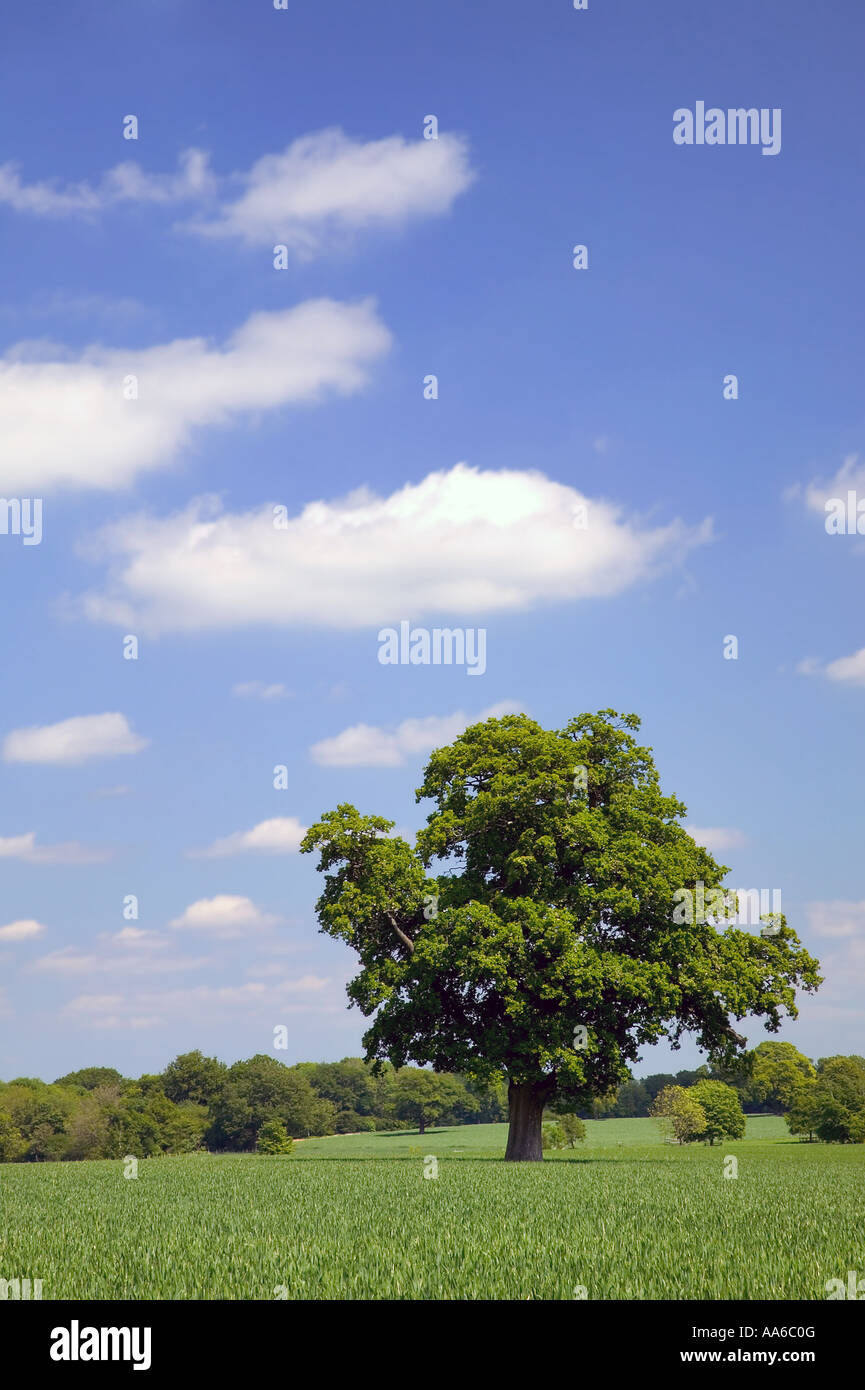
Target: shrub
x,y
273,1138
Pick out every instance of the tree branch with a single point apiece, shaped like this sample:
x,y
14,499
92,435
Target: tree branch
x,y
400,933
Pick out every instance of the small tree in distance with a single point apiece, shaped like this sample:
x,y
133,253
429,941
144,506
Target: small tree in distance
x,y
722,1108
573,1129
680,1113
273,1139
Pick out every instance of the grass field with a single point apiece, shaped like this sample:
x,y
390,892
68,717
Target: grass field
x,y
624,1216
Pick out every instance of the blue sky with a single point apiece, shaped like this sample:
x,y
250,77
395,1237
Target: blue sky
x,y
298,387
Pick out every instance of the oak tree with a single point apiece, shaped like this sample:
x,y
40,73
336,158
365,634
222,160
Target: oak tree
x,y
530,931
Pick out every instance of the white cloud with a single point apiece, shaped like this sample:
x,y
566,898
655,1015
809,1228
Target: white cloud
x,y
117,959
148,1010
226,915
24,930
846,669
73,741
311,194
259,690
281,835
325,184
837,918
126,182
464,542
850,477
65,422
70,852
717,838
365,745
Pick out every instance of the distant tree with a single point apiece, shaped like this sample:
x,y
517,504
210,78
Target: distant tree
x,y
573,1129
350,1084
263,1089
839,1098
424,1096
722,1108
833,1119
12,1145
802,1116
192,1076
632,1101
273,1139
844,1079
91,1077
680,1113
857,1128
88,1133
40,1113
552,1135
777,1070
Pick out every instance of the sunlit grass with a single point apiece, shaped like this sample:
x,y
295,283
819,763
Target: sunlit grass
x,y
626,1220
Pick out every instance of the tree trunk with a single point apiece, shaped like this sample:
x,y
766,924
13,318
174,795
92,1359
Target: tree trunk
x,y
526,1102
421,1123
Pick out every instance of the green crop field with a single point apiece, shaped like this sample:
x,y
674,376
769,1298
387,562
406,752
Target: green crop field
x,y
623,1216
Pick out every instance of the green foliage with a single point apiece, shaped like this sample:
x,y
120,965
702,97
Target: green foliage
x,y
555,910
832,1104
273,1139
777,1071
680,1113
12,1143
573,1129
349,1084
194,1077
552,1136
89,1078
264,1089
423,1097
723,1111
802,1117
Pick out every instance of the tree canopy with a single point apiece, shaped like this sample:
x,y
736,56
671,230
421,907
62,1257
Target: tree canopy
x,y
545,944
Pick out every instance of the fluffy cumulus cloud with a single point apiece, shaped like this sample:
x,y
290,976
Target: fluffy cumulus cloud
x,y
325,184
226,915
25,848
73,741
462,542
322,187
365,745
24,930
69,421
280,835
849,670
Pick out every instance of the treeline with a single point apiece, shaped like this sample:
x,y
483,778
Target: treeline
x,y
198,1102
823,1100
